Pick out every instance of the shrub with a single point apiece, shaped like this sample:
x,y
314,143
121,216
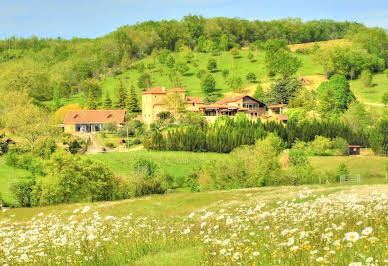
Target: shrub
x,y
212,65
321,146
110,127
366,78
297,157
146,166
251,77
148,179
73,179
235,52
340,145
110,145
201,73
298,175
342,170
22,191
225,73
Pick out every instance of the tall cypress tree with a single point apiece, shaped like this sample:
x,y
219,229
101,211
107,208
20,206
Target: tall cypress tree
x,y
92,101
133,105
121,100
107,101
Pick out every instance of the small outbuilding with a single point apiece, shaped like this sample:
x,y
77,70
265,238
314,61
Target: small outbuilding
x,y
354,149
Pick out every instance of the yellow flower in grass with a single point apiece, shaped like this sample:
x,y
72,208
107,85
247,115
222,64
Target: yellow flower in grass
x,y
236,256
352,236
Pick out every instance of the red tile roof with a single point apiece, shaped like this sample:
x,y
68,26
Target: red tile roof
x,y
231,99
94,116
277,106
156,90
192,99
354,146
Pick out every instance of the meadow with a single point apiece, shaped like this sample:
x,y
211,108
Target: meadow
x,y
8,175
371,94
174,163
309,225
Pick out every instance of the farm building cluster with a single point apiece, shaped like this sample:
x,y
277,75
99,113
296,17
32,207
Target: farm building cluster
x,y
154,102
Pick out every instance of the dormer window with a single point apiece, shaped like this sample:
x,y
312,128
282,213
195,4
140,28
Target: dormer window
x,y
109,116
76,116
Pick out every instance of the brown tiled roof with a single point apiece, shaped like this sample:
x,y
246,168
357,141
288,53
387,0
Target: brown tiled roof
x,y
94,116
193,99
231,99
156,90
277,106
176,90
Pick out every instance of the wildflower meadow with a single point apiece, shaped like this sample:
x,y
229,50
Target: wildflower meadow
x,y
308,226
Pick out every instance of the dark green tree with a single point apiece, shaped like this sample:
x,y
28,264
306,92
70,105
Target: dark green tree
x,y
132,104
283,89
107,101
212,65
92,101
379,138
208,84
121,98
144,81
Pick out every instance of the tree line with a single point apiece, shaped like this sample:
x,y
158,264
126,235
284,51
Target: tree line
x,y
226,134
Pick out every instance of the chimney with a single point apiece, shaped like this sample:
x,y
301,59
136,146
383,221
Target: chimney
x,y
163,89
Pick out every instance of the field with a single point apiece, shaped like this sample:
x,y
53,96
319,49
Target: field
x,y
309,225
8,175
174,163
373,94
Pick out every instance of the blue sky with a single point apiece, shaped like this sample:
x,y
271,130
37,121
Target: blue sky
x,y
94,18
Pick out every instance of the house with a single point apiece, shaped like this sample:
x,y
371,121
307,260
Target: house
x,y
232,105
154,102
92,120
278,109
277,112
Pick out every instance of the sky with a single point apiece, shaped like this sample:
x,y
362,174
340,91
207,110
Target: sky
x,y
95,18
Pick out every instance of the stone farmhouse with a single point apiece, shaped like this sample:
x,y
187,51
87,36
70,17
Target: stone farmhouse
x,y
153,103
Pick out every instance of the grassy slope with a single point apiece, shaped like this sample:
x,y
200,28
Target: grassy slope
x,y
175,163
372,94
241,66
369,167
8,175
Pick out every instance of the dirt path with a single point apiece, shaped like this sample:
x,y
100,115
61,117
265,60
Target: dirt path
x,y
375,104
95,146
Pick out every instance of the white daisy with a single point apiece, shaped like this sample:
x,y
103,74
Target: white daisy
x,y
352,236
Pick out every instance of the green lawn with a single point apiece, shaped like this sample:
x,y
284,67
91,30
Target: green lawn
x,y
175,163
8,175
371,168
372,94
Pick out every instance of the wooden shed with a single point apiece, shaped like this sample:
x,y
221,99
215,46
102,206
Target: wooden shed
x,y
354,149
